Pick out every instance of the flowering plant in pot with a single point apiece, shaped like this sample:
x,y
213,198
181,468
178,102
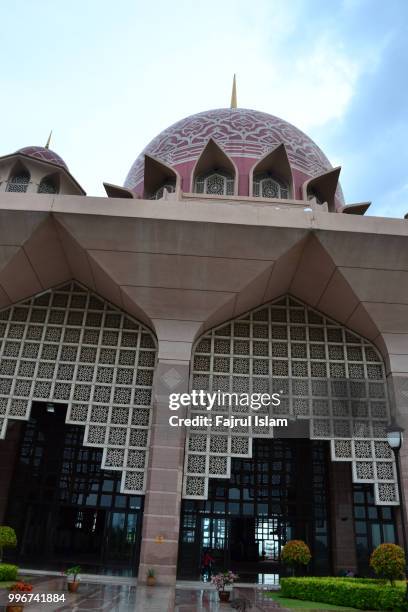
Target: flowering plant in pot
x,y
221,580
151,577
18,593
72,574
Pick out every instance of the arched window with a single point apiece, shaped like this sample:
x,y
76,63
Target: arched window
x,y
19,181
47,185
159,193
267,186
215,182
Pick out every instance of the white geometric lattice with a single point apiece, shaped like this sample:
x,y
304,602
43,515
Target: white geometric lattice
x,y
266,186
324,373
68,345
215,183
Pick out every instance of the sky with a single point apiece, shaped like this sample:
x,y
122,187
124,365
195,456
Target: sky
x,y
109,76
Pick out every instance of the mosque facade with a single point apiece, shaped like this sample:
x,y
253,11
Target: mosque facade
x,y
229,265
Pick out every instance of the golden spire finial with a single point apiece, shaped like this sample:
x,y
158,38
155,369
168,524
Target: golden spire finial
x,y
234,93
47,146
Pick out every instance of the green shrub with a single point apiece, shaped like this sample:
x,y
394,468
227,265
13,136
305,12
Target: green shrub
x,y
7,539
295,553
364,594
8,572
388,561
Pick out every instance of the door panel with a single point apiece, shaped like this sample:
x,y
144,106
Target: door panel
x,y
122,533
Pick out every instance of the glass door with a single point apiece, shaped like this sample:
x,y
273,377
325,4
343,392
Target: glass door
x,y
278,494
271,534
64,508
122,532
214,541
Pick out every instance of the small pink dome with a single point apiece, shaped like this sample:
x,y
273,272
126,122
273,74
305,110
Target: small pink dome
x,y
43,154
245,135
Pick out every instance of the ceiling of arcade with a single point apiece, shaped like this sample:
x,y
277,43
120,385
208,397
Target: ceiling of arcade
x,y
183,277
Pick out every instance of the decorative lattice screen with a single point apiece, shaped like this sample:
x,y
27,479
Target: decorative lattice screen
x,y
215,183
68,345
325,373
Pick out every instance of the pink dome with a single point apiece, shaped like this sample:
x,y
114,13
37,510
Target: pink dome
x,y
43,154
245,135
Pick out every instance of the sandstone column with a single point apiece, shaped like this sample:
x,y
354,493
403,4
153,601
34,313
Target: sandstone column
x,y
161,518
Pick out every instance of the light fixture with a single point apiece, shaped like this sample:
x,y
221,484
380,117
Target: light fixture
x,y
394,435
50,408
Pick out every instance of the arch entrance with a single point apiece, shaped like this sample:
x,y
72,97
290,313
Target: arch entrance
x,y
75,392
65,509
333,391
281,493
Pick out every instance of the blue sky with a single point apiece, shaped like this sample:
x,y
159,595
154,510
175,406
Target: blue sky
x,y
108,76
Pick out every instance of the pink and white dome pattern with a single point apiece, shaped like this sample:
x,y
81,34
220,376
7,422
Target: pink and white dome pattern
x,y
245,135
44,154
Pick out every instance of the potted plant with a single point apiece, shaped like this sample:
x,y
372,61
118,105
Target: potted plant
x,y
295,554
72,578
18,589
7,539
222,580
151,577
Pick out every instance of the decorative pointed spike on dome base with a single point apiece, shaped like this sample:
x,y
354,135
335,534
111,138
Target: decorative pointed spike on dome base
x,y
213,157
324,186
275,162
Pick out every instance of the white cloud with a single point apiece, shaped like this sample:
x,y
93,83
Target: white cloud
x,y
393,203
132,69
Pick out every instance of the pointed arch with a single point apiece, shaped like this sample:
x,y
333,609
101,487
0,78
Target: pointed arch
x,y
324,374
158,176
216,165
19,178
49,184
68,345
323,188
275,165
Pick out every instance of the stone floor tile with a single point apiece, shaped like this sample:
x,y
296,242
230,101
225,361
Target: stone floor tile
x,y
106,597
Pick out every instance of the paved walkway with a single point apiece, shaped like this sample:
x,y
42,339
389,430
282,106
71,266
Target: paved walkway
x,y
105,597
188,600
